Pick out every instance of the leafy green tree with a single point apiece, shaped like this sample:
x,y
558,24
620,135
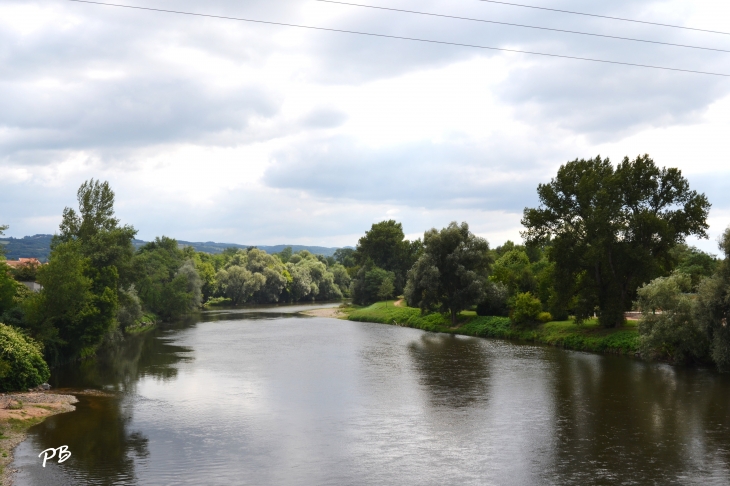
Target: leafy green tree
x,y
450,274
612,229
2,233
130,308
8,287
386,289
72,313
345,257
285,254
21,361
514,270
495,300
366,286
94,226
694,262
385,246
166,279
713,308
239,284
673,333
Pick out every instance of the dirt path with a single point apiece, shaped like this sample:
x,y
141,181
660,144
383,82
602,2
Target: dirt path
x,y
399,303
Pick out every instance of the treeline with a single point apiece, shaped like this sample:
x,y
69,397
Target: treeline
x,y
594,247
96,286
604,240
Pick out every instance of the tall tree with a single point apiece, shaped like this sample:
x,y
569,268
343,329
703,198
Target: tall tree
x,y
450,275
385,246
612,229
94,226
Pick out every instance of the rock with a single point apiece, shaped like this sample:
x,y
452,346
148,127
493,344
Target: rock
x,y
44,386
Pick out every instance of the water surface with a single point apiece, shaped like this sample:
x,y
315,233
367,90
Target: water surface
x,y
269,397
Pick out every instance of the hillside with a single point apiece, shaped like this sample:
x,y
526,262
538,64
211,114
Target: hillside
x,y
39,246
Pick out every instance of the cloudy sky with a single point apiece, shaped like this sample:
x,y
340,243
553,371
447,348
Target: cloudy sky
x,y
223,130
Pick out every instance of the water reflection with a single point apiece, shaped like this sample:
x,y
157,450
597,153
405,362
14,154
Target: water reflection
x,y
659,422
271,397
104,449
453,369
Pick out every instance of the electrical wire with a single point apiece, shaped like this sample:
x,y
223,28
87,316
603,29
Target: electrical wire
x,y
605,17
415,39
523,25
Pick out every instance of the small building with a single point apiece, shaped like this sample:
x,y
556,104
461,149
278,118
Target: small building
x,y
21,262
34,286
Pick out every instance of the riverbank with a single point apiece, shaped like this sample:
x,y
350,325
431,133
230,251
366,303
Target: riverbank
x,y
588,336
19,412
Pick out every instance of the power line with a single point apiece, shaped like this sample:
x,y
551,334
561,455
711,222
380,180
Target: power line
x,y
523,25
415,39
605,17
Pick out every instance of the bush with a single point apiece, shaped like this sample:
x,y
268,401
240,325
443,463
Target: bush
x,y
21,361
525,308
544,317
672,333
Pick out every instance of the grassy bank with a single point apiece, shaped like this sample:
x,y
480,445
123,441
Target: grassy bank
x,y
565,334
144,323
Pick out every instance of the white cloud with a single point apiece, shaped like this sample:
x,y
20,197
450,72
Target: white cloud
x,y
219,130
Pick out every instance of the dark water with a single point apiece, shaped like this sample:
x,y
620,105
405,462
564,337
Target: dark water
x,y
265,398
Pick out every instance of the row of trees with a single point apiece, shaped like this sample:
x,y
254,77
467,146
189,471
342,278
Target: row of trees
x,y
96,286
599,234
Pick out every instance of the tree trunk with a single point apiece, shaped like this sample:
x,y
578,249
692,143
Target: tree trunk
x,y
453,318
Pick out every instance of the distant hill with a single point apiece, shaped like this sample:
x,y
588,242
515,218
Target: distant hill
x,y
39,246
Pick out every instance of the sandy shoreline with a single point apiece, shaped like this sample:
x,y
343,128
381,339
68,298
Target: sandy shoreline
x,y
19,412
334,312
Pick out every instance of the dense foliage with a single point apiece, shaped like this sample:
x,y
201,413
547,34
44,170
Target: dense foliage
x,y
21,361
612,229
450,274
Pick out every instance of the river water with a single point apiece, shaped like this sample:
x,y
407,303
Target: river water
x,y
270,397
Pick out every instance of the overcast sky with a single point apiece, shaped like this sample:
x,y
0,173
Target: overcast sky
x,y
213,129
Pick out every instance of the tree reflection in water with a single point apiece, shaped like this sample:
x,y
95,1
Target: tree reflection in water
x,y
453,369
104,449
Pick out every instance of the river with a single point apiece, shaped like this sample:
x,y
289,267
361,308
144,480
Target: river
x,y
272,397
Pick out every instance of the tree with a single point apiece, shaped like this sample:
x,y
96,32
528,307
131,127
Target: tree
x,y
345,257
713,308
73,312
2,233
672,333
365,288
385,246
98,231
450,274
386,289
612,229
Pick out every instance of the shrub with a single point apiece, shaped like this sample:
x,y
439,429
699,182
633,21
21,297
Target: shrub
x,y
544,317
25,367
673,333
525,308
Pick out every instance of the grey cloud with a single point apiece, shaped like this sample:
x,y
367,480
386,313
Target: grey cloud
x,y
416,175
144,110
324,118
598,102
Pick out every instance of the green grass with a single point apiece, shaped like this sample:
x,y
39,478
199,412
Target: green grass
x,y
588,336
144,323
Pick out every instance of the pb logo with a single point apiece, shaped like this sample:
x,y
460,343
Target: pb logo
x,y
50,453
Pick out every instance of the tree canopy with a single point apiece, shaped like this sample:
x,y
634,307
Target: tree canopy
x,y
612,229
450,275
